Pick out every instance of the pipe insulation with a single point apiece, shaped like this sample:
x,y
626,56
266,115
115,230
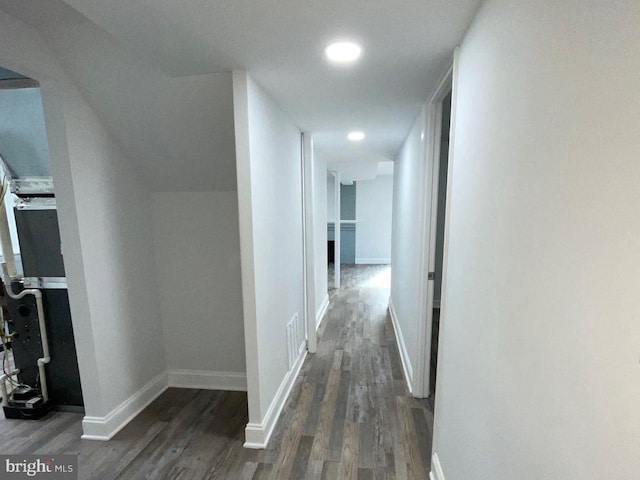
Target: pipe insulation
x,y
3,390
9,274
5,240
46,358
4,378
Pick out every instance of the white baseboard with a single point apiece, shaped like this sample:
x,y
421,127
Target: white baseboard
x,y
402,348
104,428
436,469
322,311
373,261
207,380
257,435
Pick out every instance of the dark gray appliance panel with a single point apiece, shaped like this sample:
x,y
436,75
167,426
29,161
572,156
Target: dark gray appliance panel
x,y
63,377
39,238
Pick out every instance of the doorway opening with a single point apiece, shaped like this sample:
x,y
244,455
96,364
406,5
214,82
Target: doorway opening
x,y
442,177
39,366
333,215
359,217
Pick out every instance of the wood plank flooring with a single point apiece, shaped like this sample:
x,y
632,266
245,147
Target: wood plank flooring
x,y
349,416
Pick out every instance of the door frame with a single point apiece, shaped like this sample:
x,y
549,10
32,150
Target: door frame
x,y
308,243
433,133
337,227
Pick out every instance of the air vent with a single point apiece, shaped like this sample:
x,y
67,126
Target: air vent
x,y
295,344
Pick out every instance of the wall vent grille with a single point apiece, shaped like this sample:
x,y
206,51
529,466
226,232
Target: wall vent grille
x,y
294,343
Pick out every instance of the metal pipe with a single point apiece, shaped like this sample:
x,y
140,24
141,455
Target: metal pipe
x,y
46,358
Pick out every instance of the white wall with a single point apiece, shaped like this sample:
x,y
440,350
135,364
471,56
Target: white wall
x,y
268,147
104,213
406,233
114,217
331,198
539,374
374,199
197,250
189,145
320,221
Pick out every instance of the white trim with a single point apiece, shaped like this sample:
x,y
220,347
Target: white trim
x,y
447,215
257,435
373,261
241,83
436,469
308,241
104,428
322,311
336,231
343,222
208,380
433,127
402,347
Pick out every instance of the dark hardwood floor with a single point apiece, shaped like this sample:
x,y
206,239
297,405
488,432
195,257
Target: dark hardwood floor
x,y
349,416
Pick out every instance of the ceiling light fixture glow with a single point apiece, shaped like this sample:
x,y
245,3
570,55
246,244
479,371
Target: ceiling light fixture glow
x,y
343,52
356,136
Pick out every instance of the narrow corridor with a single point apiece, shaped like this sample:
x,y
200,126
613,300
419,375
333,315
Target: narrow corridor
x,y
350,414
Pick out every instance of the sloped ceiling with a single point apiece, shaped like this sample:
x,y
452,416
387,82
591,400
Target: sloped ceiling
x,y
10,75
139,60
178,131
406,46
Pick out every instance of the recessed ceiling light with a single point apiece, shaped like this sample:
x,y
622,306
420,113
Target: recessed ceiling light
x,y
343,52
356,136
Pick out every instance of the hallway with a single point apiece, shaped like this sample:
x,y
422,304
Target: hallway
x,y
349,416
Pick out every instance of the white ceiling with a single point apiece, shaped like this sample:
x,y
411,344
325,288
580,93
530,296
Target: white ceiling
x,y
406,43
406,46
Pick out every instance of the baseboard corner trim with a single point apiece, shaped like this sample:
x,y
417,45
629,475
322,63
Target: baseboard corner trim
x,y
208,380
436,469
105,428
257,435
322,311
402,347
